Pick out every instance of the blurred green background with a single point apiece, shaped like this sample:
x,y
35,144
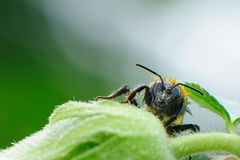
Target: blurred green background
x,y
36,75
55,51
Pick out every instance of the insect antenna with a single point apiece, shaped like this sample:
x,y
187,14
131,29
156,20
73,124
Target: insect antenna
x,y
187,87
139,65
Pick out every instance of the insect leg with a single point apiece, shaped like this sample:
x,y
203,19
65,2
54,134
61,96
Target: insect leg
x,y
132,95
170,121
180,128
117,93
134,102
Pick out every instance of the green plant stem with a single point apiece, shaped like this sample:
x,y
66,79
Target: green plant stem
x,y
186,145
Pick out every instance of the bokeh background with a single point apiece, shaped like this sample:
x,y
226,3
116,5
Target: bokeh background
x,y
55,51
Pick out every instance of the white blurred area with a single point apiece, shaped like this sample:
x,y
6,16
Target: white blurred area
x,y
191,40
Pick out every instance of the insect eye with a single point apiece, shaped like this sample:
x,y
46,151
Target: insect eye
x,y
159,89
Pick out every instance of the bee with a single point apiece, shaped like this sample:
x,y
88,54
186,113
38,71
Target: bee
x,y
165,98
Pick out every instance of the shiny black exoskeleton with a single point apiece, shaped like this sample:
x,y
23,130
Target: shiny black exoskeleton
x,y
165,99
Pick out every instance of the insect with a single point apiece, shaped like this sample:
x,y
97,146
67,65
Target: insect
x,y
165,98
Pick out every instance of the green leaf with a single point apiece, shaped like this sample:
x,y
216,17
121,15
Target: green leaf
x,y
95,131
233,108
109,130
208,101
